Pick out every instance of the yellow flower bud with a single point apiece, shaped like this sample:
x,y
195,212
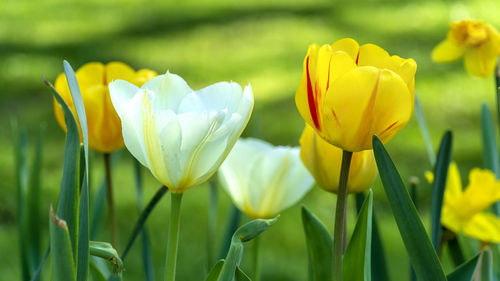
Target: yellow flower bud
x,y
477,42
323,160
349,93
105,131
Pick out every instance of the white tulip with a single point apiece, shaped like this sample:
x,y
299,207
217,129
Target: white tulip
x,y
262,179
181,135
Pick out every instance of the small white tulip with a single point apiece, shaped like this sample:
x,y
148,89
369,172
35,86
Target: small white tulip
x,y
262,179
181,135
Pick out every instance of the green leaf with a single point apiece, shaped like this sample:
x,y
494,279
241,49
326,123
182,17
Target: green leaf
x,y
63,266
319,247
106,251
98,269
233,222
357,258
34,220
37,273
420,250
465,272
213,275
423,129
490,150
67,208
240,275
486,270
147,258
83,213
438,186
22,190
244,234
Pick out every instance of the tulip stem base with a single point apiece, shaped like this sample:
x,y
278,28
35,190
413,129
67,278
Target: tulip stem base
x,y
339,232
173,236
111,202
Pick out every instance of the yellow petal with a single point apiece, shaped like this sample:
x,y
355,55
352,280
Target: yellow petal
x,y
62,88
347,45
484,227
480,61
483,190
144,75
453,190
305,97
89,75
447,51
118,70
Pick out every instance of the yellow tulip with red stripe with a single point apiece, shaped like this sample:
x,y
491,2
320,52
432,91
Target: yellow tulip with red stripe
x,y
105,131
348,93
323,161
477,42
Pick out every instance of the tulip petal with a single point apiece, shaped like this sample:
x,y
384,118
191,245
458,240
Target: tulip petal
x,y
219,96
453,191
447,51
170,89
484,227
89,75
483,190
347,45
119,70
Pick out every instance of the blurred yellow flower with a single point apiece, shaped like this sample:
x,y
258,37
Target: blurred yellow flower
x,y
477,42
349,93
464,210
105,131
323,160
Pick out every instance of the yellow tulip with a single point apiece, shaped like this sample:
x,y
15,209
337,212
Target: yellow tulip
x,y
349,93
464,210
323,160
477,42
104,126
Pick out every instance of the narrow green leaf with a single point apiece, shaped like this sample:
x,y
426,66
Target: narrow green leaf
x,y
67,208
486,270
420,250
38,272
490,148
233,222
147,258
98,209
438,186
423,129
22,190
83,213
34,225
142,219
456,251
213,275
379,264
106,251
319,247
357,258
240,275
63,266
98,269
211,223
244,234
465,272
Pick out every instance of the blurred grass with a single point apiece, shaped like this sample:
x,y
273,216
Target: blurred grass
x,y
258,42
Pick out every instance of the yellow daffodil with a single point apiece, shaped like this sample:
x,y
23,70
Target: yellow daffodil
x,y
181,135
263,180
349,93
464,210
105,132
477,42
323,160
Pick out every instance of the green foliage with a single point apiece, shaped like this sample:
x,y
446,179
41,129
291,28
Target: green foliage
x,y
63,266
420,250
465,272
319,247
357,258
106,251
438,187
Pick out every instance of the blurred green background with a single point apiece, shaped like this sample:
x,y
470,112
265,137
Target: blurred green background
x,y
258,42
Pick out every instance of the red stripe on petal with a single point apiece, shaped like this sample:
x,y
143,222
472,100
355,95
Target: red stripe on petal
x,y
311,100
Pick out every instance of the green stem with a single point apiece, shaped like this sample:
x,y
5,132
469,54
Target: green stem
x,y
256,263
338,232
173,236
111,203
424,131
211,227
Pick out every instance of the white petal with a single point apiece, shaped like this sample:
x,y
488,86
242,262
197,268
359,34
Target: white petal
x,y
218,97
121,92
169,89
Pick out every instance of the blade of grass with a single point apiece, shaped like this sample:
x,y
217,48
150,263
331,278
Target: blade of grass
x,y
464,272
63,266
420,250
490,148
438,186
